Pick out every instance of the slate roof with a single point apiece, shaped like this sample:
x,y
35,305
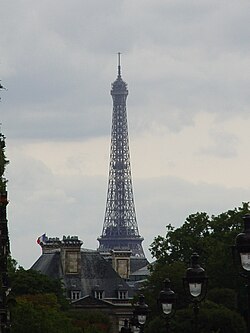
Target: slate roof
x,y
49,264
95,271
144,271
137,263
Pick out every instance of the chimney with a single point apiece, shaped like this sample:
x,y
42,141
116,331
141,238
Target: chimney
x,y
71,255
121,262
50,245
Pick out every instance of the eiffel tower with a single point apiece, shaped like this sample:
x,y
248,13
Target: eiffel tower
x,y
120,229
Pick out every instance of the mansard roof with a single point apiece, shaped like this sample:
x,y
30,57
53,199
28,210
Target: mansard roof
x,y
96,273
137,263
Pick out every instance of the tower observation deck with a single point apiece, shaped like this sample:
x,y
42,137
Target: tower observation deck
x,y
120,229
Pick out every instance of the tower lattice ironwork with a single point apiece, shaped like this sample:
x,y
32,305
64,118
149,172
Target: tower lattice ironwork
x,y
120,229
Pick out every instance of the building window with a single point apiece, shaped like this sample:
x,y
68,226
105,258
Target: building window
x,y
75,294
99,294
122,294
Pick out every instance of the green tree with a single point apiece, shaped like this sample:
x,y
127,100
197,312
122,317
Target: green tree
x,y
223,296
40,306
31,282
212,318
211,237
90,321
38,314
3,163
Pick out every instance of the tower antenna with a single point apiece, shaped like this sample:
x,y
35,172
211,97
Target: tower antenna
x,y
119,63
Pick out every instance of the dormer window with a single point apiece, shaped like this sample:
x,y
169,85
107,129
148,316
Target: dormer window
x,y
98,292
75,294
122,294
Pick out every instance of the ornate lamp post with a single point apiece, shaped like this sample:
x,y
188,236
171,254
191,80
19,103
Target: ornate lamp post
x,y
167,301
241,251
140,313
195,286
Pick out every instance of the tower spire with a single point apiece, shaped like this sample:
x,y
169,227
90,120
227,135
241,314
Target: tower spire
x,y
120,230
119,64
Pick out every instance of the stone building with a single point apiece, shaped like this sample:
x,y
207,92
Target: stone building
x,y
91,280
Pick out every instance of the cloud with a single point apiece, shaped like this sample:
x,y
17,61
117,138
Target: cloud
x,y
169,200
65,67
188,110
224,145
66,205
41,201
60,188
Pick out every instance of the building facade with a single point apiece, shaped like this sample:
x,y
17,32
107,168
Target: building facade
x,y
89,280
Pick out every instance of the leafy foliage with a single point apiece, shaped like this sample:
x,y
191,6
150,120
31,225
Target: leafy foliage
x,y
3,163
90,321
212,238
38,314
212,318
31,282
223,296
41,306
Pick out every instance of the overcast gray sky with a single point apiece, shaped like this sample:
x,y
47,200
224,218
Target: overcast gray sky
x,y
187,68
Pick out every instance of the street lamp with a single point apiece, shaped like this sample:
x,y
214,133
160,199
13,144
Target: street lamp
x,y
195,285
140,313
241,249
167,301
